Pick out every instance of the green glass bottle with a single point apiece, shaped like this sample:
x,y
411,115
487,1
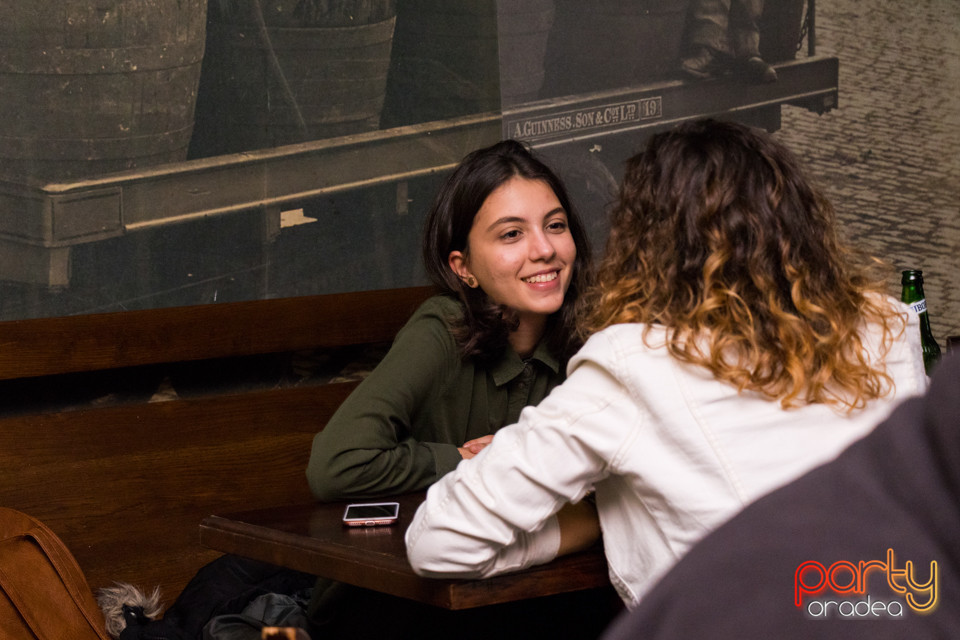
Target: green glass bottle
x,y
912,295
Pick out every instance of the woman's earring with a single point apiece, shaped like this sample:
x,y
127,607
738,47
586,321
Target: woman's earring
x,y
471,282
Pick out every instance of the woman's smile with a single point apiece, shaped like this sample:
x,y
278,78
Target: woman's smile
x,y
549,276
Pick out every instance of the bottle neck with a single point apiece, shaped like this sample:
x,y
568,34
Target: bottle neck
x,y
912,292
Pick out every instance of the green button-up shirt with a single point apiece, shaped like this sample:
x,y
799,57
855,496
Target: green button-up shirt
x,y
400,429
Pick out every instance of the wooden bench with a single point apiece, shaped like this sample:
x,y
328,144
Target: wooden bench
x,y
126,484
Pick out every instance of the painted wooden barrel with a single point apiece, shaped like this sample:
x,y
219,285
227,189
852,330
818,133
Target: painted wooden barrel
x,y
90,88
458,58
308,71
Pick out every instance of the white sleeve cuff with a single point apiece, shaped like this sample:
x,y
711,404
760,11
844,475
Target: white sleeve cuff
x,y
530,549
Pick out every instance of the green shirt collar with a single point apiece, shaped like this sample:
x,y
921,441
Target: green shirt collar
x,y
511,365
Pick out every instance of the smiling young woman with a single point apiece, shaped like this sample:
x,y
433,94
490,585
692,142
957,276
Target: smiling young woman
x,y
510,258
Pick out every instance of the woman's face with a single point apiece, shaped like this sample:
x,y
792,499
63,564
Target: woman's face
x,y
520,249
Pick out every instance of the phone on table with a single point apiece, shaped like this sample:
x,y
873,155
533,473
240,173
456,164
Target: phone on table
x,y
371,514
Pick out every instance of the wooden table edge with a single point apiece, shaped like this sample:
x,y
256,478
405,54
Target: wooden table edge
x,y
240,538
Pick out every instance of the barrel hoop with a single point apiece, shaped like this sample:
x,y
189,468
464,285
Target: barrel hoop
x,y
316,38
68,61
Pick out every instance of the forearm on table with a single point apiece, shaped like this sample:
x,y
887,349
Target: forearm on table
x,y
441,550
366,473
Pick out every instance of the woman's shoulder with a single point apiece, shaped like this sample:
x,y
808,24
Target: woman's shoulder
x,y
881,299
620,342
433,322
890,315
441,307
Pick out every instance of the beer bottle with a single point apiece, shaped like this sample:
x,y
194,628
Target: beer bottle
x,y
912,296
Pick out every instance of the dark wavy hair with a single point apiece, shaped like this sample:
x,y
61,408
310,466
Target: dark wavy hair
x,y
486,326
719,237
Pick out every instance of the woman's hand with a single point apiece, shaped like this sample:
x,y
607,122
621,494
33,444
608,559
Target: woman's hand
x,y
579,526
471,448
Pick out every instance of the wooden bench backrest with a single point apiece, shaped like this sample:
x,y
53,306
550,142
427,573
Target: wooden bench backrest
x,y
48,346
126,486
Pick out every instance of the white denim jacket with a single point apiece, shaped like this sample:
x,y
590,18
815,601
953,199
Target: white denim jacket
x,y
670,452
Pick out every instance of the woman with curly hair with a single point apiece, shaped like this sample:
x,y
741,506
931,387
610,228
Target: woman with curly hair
x,y
733,343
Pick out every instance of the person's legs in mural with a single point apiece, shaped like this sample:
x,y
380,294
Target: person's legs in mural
x,y
722,33
707,38
744,37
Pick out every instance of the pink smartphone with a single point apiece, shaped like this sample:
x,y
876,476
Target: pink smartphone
x,y
371,514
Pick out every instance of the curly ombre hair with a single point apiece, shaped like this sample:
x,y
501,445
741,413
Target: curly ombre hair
x,y
719,238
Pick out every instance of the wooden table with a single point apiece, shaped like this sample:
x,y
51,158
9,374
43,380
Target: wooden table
x,y
312,538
